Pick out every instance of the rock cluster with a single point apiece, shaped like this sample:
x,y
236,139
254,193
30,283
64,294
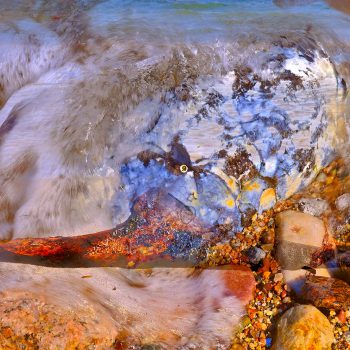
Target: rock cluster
x,y
300,327
303,244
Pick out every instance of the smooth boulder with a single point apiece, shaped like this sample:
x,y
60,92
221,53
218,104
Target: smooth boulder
x,y
303,327
299,236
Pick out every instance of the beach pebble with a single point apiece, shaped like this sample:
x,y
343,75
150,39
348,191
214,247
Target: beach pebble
x,y
278,277
313,206
343,201
255,255
304,327
299,235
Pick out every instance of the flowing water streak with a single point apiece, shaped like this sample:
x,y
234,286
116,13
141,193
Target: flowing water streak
x,y
106,76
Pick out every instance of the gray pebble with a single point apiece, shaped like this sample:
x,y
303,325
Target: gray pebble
x,y
313,206
343,201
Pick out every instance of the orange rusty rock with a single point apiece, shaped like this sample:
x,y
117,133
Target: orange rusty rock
x,y
148,235
341,316
6,332
269,264
326,292
240,281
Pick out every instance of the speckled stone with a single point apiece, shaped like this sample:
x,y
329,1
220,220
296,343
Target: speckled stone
x,y
299,236
313,206
304,327
343,201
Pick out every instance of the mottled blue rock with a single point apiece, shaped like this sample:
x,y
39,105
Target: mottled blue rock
x,y
252,137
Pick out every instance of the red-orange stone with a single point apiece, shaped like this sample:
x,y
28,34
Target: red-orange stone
x,y
240,281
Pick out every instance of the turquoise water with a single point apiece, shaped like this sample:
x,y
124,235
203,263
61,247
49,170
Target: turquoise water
x,y
207,20
179,20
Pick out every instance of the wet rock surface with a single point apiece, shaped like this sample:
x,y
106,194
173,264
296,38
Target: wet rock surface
x,y
161,231
261,148
329,293
343,259
340,266
299,236
304,327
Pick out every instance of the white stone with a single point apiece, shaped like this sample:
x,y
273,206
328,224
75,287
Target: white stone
x,y
298,235
343,201
300,228
313,206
